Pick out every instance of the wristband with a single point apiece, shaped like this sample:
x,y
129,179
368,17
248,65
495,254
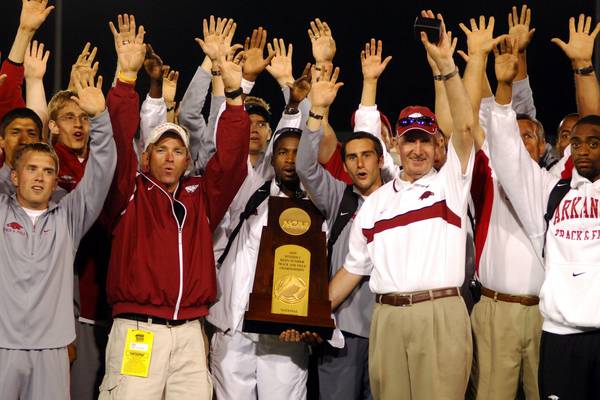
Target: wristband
x,y
234,93
584,71
447,76
291,110
215,72
125,79
315,116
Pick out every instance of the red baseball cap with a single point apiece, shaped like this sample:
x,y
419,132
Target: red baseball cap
x,y
416,118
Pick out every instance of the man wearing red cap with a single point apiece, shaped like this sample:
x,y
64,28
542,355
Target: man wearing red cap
x,y
409,236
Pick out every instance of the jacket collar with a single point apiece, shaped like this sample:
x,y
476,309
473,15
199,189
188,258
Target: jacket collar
x,y
424,181
577,181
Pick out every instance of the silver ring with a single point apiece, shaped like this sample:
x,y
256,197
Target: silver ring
x,y
125,42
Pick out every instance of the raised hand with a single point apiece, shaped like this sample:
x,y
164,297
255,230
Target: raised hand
x,y
33,14
432,64
301,86
324,86
370,59
124,33
254,53
35,61
89,96
323,44
441,53
154,65
518,27
480,39
218,35
169,85
231,66
506,59
281,63
131,53
3,79
83,66
581,41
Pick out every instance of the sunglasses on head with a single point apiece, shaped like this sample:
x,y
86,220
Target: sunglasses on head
x,y
416,120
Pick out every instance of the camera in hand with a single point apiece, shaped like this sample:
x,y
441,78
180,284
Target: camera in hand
x,y
431,26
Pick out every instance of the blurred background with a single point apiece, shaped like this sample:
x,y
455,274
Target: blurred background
x,y
172,25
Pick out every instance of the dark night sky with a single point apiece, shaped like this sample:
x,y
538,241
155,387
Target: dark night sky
x,y
172,25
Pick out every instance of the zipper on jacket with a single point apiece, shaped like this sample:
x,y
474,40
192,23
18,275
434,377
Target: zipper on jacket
x,y
179,242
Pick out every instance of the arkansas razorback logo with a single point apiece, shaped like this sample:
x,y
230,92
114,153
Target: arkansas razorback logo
x,y
14,227
426,194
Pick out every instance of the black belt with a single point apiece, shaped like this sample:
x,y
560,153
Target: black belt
x,y
154,320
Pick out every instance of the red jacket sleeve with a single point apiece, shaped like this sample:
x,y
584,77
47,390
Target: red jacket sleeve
x,y
335,166
124,108
11,93
227,168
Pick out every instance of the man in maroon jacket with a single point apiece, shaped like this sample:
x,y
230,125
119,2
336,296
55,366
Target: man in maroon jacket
x,y
161,276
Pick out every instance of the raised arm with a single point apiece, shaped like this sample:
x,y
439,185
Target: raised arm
x,y
84,66
579,50
256,62
33,15
217,36
154,107
169,89
123,106
35,62
84,204
526,184
324,190
480,41
519,29
442,109
227,168
367,117
460,108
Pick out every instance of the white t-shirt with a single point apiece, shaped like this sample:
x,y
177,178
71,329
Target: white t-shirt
x,y
34,214
411,236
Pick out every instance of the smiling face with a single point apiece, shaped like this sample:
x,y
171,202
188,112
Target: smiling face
x,y
417,152
72,125
166,160
363,165
19,132
35,178
585,150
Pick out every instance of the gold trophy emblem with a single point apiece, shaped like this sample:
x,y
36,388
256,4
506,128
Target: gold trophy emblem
x,y
294,221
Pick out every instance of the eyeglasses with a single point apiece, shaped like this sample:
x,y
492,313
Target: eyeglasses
x,y
72,118
416,121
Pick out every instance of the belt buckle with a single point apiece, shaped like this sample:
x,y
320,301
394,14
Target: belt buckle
x,y
167,324
410,301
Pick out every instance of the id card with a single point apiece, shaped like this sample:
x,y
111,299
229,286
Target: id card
x,y
137,353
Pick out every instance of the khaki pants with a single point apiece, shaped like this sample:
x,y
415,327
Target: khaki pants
x,y
178,368
422,351
507,348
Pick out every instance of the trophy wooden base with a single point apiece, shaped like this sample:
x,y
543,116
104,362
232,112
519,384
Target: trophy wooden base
x,y
259,320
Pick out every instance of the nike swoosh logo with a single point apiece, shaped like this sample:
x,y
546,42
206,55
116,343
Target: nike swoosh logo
x,y
581,273
342,214
562,184
150,187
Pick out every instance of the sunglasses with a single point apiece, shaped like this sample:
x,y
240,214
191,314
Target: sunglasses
x,y
416,121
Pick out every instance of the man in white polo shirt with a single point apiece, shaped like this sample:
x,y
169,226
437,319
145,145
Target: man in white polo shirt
x,y
409,236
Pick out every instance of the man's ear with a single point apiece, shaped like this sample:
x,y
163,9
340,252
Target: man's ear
x,y
380,162
345,168
53,127
14,178
146,161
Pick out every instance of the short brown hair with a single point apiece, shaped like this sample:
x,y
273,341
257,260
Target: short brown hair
x,y
58,101
39,147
